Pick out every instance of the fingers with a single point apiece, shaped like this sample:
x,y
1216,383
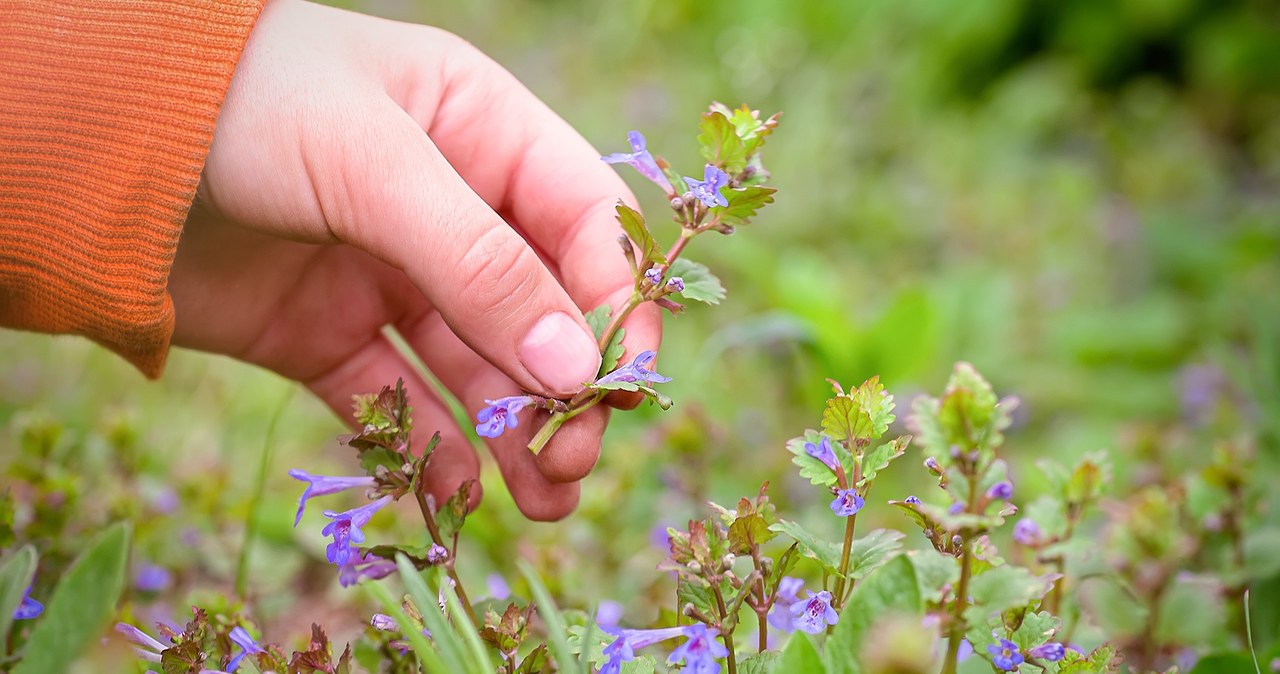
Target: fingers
x,y
534,168
378,364
544,486
406,205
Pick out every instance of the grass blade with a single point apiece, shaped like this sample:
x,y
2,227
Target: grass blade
x,y
551,616
446,639
16,571
426,653
479,654
259,488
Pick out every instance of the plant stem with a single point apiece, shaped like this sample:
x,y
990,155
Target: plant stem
x,y
558,419
727,635
956,632
430,519
616,320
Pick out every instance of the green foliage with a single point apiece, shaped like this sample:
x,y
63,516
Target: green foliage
x,y
825,553
891,590
613,352
634,225
720,143
699,283
800,655
812,469
17,569
743,204
999,589
598,320
81,605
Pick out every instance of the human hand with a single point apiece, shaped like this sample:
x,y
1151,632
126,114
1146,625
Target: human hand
x,y
365,173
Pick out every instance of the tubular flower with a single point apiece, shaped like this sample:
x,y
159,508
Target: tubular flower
x,y
500,414
636,371
626,642
323,485
1050,651
373,568
780,614
29,608
847,503
822,451
640,159
812,615
1005,655
345,528
240,637
708,189
700,652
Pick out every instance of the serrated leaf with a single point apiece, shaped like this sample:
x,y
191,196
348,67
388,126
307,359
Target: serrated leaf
x,y
871,398
598,319
370,459
879,458
453,514
759,663
892,588
16,572
748,531
1000,589
1036,628
645,664
935,571
1191,612
613,353
744,203
719,143
81,605
873,549
800,655
840,418
634,225
825,553
699,283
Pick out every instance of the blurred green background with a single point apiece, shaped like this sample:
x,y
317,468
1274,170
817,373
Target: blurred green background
x,y
1081,198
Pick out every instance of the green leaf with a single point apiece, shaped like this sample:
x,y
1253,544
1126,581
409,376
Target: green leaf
x,y
598,319
826,553
759,663
935,571
873,549
1224,663
633,224
749,530
645,664
613,353
879,458
891,589
1000,589
17,569
451,516
744,202
841,417
871,398
720,144
81,606
556,634
800,655
699,283
379,456
1036,628
812,469
1191,613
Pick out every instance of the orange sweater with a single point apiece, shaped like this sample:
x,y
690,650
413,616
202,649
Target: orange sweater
x,y
107,110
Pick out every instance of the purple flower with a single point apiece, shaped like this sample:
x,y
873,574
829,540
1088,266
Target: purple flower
x,y
780,614
437,554
635,372
29,608
500,415
372,568
384,623
708,189
653,275
1002,490
965,651
813,614
145,646
627,642
497,587
955,508
346,529
240,637
675,284
1005,655
640,159
1051,651
823,452
846,503
1026,532
608,614
152,578
323,485
700,652
913,500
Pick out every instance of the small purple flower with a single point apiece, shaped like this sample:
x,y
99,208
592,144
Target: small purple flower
x,y
812,615
1026,532
608,614
636,371
1005,655
653,275
955,508
823,452
346,529
323,485
913,500
29,608
384,623
240,637
497,587
627,642
437,554
708,189
373,568
846,503
1002,490
145,646
788,594
933,466
675,284
152,578
1051,651
700,652
500,415
640,159
965,651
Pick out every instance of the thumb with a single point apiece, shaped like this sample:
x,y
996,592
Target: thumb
x,y
407,206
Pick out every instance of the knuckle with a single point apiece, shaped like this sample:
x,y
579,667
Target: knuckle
x,y
499,273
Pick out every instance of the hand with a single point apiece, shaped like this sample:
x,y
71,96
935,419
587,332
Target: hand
x,y
365,173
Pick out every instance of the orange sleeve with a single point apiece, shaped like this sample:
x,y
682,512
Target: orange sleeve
x,y
107,109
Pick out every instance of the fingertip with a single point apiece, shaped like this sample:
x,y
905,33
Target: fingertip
x,y
574,451
550,505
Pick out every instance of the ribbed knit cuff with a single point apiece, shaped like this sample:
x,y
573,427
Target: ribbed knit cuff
x,y
107,109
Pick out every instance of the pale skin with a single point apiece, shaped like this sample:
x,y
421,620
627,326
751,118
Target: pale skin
x,y
366,173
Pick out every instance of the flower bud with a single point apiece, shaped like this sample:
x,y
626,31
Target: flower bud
x,y
407,469
956,540
380,472
689,609
727,561
384,623
694,566
933,466
437,553
766,565
677,203
675,284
